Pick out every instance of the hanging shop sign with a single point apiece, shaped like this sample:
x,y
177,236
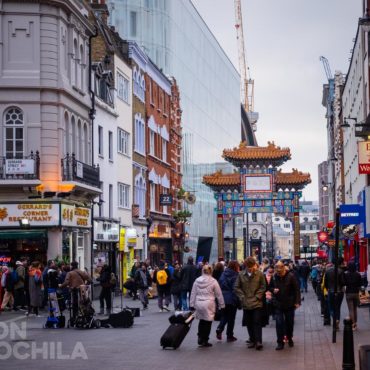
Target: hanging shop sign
x,y
74,216
350,231
160,230
165,199
363,157
351,214
38,214
20,166
106,231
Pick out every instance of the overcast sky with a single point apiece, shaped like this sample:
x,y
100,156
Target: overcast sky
x,y
284,40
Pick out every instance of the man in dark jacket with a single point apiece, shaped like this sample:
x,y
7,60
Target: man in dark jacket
x,y
330,286
143,281
162,278
286,298
188,275
303,272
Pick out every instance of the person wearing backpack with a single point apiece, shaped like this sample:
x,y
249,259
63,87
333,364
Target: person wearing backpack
x,y
8,286
162,278
143,282
19,275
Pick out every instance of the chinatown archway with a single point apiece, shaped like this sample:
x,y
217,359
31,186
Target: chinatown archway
x,y
257,187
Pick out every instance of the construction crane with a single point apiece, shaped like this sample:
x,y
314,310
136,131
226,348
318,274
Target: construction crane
x,y
246,84
327,69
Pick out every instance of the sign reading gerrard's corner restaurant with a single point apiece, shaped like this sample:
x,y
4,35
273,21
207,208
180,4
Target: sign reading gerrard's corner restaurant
x,y
38,214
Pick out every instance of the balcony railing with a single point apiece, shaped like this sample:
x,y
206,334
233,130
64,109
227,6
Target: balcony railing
x,y
24,168
74,170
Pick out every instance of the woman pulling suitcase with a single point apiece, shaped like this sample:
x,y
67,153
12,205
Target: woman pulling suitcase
x,y
203,299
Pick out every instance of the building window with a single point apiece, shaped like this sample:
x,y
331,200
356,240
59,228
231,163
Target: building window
x,y
133,24
139,134
152,196
100,140
110,211
123,142
140,194
164,150
110,145
151,143
123,195
122,87
14,141
254,217
151,91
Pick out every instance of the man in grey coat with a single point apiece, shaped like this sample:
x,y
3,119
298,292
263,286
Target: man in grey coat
x,y
250,287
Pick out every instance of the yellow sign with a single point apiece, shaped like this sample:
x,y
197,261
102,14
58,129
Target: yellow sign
x,y
122,239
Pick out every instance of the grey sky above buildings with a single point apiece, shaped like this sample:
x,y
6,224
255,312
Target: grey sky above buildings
x,y
284,40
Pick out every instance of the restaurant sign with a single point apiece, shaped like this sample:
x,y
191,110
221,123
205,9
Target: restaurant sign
x,y
38,214
74,216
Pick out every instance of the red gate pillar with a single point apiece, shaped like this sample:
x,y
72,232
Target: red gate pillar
x,y
220,236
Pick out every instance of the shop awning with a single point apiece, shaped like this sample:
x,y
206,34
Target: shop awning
x,y
22,234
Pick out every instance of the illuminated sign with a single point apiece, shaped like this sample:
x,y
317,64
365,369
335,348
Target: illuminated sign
x,y
38,214
74,216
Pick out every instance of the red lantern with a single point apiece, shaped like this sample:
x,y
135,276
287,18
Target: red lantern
x,y
322,236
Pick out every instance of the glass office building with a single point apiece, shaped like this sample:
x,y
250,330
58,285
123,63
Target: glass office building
x,y
176,38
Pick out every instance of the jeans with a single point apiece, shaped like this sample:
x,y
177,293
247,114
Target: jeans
x,y
228,318
253,323
303,282
184,300
176,301
204,329
163,294
106,295
336,304
143,295
284,324
352,303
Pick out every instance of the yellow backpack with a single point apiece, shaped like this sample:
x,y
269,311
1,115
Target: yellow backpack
x,y
161,277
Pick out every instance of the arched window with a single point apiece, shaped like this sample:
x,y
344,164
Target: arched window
x,y
82,66
78,141
84,144
73,136
14,140
75,56
66,142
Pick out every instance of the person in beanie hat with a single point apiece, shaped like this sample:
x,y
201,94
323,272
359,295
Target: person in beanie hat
x,y
162,278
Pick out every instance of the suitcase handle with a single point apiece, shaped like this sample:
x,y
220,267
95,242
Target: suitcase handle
x,y
190,318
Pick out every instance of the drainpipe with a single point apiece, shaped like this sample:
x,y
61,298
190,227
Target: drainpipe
x,y
92,116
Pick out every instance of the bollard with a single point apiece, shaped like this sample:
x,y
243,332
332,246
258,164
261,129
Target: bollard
x,y
348,350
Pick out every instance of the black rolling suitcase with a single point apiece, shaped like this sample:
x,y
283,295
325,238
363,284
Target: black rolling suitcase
x,y
175,334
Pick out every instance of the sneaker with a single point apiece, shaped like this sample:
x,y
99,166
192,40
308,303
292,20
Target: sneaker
x,y
206,344
290,343
219,334
166,308
160,310
145,307
251,345
231,339
38,316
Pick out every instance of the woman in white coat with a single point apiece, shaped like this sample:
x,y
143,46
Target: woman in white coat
x,y
203,300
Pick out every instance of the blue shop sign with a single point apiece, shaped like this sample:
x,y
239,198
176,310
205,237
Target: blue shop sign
x,y
351,214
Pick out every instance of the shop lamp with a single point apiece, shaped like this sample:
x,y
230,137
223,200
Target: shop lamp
x,y
24,223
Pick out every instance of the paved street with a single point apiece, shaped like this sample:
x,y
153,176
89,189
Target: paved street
x,y
138,347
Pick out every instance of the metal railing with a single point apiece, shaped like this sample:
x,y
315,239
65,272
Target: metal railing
x,y
24,168
74,170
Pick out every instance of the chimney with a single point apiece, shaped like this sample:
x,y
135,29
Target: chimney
x,y
101,10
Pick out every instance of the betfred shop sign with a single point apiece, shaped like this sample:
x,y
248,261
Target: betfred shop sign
x,y
363,157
